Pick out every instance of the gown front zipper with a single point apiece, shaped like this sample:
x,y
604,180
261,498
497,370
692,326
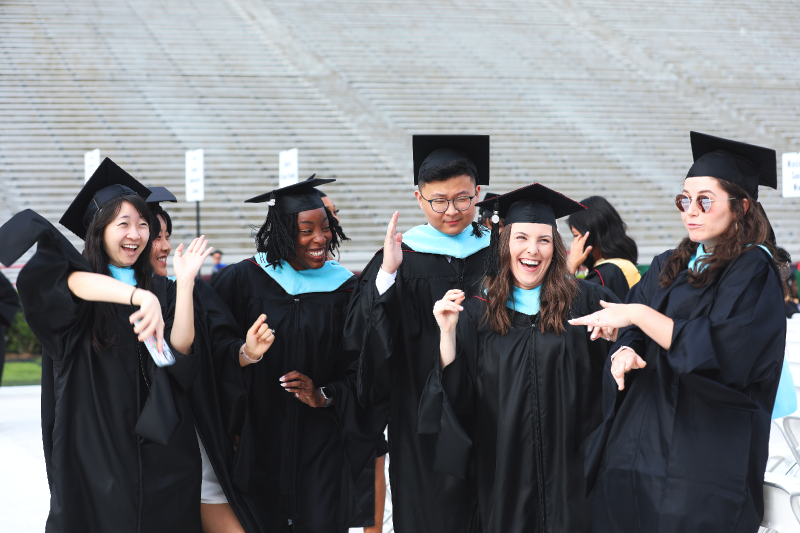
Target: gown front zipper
x,y
537,430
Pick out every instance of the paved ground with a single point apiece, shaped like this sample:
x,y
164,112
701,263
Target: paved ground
x,y
24,494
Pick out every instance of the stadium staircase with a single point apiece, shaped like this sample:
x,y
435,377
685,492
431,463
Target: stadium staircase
x,y
589,97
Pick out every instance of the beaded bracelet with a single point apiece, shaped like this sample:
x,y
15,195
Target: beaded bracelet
x,y
244,356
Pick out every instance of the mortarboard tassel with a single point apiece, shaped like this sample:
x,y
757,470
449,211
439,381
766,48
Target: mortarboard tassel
x,y
493,257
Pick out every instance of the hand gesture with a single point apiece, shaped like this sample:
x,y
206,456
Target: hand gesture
x,y
187,264
625,361
446,310
392,253
577,253
613,316
149,315
259,338
303,389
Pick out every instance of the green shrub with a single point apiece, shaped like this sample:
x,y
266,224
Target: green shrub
x,y
20,337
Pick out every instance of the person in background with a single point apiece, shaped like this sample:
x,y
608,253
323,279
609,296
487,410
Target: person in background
x,y
218,387
531,381
791,298
383,447
9,303
218,265
689,390
485,215
601,244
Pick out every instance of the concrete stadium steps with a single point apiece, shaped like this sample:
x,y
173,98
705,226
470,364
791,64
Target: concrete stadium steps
x,y
586,97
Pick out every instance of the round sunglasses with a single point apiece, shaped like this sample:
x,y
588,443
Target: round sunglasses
x,y
684,202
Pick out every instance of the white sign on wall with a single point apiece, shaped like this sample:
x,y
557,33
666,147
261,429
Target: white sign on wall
x,y
91,160
791,174
195,176
287,168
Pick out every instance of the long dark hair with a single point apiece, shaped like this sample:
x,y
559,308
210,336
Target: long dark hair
x,y
278,234
558,289
748,229
607,231
104,313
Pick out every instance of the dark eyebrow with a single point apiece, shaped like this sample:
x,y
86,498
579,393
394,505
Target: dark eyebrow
x,y
463,192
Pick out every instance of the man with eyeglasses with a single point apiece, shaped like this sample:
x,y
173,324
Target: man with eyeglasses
x,y
390,321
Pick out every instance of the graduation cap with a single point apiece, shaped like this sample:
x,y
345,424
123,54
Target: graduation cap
x,y
485,211
431,151
109,181
158,195
745,165
532,203
293,198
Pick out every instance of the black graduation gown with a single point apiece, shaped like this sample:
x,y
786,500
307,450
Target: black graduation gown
x,y
611,276
9,303
293,465
397,337
125,454
535,399
685,448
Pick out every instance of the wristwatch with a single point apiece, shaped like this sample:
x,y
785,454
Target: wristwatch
x,y
325,395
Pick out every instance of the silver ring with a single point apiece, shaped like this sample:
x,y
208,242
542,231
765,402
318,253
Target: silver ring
x,y
273,331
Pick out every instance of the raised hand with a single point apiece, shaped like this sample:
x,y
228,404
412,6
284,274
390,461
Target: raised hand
x,y
187,264
259,338
577,252
152,323
392,253
446,310
303,388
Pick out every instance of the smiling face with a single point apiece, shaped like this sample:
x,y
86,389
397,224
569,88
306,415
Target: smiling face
x,y
706,228
313,236
125,237
161,249
452,221
531,250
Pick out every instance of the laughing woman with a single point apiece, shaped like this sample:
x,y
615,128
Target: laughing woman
x,y
301,396
124,456
692,382
531,381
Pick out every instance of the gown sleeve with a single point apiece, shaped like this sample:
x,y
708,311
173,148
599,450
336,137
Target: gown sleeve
x,y
9,302
186,366
447,393
49,306
641,293
729,343
370,330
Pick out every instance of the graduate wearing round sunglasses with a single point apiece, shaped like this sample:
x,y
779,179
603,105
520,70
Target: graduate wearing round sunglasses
x,y
531,381
690,388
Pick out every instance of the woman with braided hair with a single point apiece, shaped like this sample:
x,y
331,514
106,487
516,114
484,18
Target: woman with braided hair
x,y
300,442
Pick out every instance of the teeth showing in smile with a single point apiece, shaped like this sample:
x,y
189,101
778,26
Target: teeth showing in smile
x,y
315,254
529,262
130,246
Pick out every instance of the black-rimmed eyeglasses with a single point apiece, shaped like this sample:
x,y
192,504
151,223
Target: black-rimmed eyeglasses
x,y
440,205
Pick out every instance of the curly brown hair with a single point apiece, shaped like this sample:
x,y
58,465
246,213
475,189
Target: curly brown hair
x,y
750,228
558,289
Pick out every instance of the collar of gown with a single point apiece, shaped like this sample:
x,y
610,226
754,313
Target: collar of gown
x,y
429,240
123,274
326,279
524,301
701,252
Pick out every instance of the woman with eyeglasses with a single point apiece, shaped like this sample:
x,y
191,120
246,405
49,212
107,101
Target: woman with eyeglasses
x,y
692,380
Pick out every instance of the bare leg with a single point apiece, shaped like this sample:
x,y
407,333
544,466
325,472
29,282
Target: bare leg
x,y
219,518
380,495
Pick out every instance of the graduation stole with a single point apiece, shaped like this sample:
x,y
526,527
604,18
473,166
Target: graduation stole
x,y
429,240
701,252
629,270
125,275
326,279
523,301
